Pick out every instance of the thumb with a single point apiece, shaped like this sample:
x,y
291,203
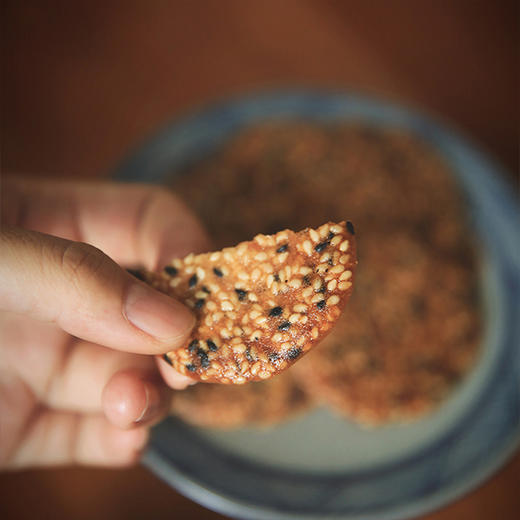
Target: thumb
x,y
87,294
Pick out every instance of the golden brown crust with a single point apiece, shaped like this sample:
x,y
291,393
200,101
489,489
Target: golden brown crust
x,y
262,304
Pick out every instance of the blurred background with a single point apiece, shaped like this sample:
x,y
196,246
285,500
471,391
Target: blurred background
x,y
83,83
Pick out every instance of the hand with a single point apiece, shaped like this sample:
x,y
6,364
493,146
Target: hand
x,y
78,334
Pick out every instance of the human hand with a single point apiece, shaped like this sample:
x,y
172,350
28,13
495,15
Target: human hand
x,y
78,334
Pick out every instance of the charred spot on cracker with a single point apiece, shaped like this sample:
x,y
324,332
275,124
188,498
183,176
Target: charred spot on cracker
x,y
269,302
167,359
350,227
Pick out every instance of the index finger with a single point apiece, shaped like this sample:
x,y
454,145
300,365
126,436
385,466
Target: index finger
x,y
134,224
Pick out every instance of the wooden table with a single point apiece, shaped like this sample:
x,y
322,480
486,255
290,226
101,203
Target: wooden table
x,y
84,82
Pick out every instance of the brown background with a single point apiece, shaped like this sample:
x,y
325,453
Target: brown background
x,y
84,82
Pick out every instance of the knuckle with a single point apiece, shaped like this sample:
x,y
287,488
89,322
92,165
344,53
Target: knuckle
x,y
81,261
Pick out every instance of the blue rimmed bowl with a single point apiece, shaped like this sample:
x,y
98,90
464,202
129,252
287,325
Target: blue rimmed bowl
x,y
320,466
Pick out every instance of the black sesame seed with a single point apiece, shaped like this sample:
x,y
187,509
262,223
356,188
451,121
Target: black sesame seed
x,y
273,356
218,272
241,294
193,345
206,290
167,359
306,280
330,261
193,280
212,346
276,277
275,311
321,246
137,273
294,353
199,303
331,235
249,357
283,248
201,352
172,271
285,325
322,289
321,305
350,227
191,367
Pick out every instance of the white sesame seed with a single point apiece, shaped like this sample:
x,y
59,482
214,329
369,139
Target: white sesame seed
x,y
335,228
255,275
277,337
285,346
254,314
344,259
260,320
224,333
189,259
214,256
322,268
261,256
295,283
343,286
314,332
237,331
333,300
177,263
317,298
189,270
252,297
293,318
301,341
282,257
260,239
307,292
241,249
316,284
337,269
268,268
208,320
343,246
346,275
257,334
201,295
227,255
264,374
281,237
324,230
217,316
305,270
190,303
240,348
325,257
201,273
300,307
332,285
174,282
304,319
269,281
245,319
307,247
256,367
314,235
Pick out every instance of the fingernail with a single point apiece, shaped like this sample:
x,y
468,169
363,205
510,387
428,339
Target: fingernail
x,y
157,314
151,404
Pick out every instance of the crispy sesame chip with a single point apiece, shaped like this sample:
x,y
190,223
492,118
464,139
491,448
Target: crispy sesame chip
x,y
250,324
